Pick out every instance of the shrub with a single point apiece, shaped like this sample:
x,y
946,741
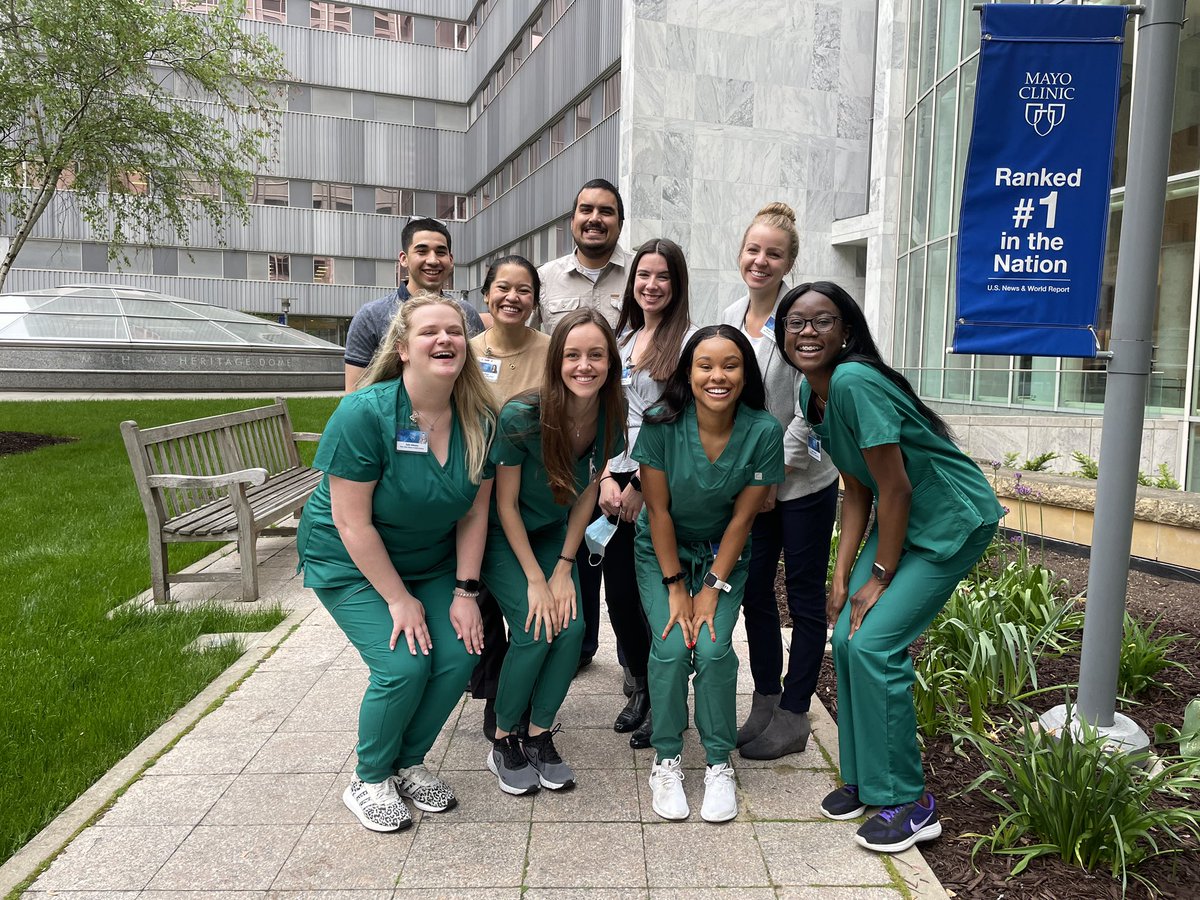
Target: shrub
x,y
1039,463
1165,480
1144,656
1088,467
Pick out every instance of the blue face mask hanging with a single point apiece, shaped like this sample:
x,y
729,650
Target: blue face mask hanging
x,y
597,536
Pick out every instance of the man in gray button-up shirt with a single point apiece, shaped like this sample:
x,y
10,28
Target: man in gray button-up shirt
x,y
594,273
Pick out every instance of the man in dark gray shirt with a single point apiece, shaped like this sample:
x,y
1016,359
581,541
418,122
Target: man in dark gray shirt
x,y
426,254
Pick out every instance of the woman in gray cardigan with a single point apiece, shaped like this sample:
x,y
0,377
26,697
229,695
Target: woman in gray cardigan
x,y
797,517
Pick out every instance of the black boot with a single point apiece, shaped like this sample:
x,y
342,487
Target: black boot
x,y
640,739
635,710
627,682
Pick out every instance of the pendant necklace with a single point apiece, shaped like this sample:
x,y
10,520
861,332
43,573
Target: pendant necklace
x,y
431,426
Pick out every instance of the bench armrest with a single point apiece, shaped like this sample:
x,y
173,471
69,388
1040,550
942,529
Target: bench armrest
x,y
306,435
244,476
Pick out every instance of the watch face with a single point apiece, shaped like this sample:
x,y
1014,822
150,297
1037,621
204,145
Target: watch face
x,y
710,580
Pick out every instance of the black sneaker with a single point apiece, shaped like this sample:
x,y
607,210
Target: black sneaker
x,y
843,804
489,719
508,763
553,773
896,828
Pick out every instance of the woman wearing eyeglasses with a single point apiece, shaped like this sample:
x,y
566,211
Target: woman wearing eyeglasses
x,y
797,517
934,516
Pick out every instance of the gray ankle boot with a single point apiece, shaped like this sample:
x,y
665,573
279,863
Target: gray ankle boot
x,y
761,708
787,733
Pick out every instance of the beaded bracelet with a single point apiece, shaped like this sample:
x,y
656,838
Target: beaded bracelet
x,y
567,559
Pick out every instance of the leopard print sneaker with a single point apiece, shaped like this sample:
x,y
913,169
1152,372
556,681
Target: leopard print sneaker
x,y
377,806
425,790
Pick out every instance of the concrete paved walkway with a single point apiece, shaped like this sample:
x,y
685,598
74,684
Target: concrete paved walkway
x,y
247,804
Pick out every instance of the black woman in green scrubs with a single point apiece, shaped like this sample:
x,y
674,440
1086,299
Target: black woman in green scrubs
x,y
709,454
551,444
392,541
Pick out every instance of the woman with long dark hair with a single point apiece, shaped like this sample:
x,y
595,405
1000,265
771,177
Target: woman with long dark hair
x,y
935,514
709,454
550,447
651,329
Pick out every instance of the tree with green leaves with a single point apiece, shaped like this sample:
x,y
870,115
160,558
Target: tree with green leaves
x,y
146,116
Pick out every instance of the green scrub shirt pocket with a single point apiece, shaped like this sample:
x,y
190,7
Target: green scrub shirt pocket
x,y
940,519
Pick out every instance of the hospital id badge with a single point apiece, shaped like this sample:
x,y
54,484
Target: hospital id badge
x,y
814,446
769,325
627,376
490,367
715,547
411,441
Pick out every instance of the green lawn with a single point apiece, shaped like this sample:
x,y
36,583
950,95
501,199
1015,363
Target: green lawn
x,y
79,690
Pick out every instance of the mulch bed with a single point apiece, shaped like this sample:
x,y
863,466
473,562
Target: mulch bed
x,y
25,442
1176,598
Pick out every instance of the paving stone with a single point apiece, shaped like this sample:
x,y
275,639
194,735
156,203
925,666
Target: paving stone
x,y
342,857
238,715
470,855
585,854
295,752
686,854
784,792
595,748
739,893
818,853
826,892
382,894
583,894
81,895
112,859
276,684
270,800
202,895
468,749
599,795
509,893
228,858
168,800
210,753
288,658
324,712
481,800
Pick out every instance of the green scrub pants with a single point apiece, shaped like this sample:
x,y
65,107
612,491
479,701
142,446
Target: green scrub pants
x,y
877,725
408,698
536,674
672,663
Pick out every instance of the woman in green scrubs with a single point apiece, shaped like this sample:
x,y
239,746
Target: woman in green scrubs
x,y
709,454
391,542
550,446
935,514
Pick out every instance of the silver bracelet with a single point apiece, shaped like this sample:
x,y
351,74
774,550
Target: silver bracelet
x,y
469,595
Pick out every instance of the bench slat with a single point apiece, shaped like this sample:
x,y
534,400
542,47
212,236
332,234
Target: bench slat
x,y
267,501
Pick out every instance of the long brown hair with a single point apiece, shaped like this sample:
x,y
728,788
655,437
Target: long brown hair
x,y
551,398
471,395
663,356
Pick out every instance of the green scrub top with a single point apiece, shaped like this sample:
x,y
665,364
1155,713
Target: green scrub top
x,y
417,501
703,493
519,443
950,496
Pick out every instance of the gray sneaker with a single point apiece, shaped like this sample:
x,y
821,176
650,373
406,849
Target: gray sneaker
x,y
552,772
512,770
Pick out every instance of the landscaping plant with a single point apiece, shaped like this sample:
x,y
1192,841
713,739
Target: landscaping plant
x,y
1144,657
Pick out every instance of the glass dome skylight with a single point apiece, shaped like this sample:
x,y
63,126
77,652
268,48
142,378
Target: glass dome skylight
x,y
113,314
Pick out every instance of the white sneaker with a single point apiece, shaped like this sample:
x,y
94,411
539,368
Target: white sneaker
x,y
666,789
720,794
377,806
425,790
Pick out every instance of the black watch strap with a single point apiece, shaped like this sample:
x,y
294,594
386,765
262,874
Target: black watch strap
x,y
671,579
467,584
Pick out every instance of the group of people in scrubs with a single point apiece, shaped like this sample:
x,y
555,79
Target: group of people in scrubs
x,y
684,461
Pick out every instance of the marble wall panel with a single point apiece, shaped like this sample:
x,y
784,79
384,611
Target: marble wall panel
x,y
795,110
781,62
659,92
727,55
678,11
661,45
792,21
724,101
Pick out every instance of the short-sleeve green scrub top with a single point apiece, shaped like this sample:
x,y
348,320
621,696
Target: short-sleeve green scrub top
x,y
950,496
417,501
703,492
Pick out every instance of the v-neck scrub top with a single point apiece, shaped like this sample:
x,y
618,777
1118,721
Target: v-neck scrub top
x,y
519,443
703,492
417,501
950,496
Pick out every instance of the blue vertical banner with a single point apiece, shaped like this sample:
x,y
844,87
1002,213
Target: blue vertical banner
x,y
1039,169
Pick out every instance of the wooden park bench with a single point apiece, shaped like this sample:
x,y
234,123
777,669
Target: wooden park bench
x,y
220,478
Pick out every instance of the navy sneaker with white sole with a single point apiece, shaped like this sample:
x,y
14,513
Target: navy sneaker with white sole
x,y
843,804
896,828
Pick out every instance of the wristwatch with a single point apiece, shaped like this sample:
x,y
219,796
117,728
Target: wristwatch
x,y
882,575
711,580
467,584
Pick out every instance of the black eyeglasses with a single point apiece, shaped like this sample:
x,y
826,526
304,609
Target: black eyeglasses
x,y
822,324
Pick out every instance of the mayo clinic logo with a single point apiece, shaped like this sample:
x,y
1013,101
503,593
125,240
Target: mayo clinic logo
x,y
1046,95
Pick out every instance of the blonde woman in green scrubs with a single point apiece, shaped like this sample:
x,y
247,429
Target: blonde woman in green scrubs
x,y
392,540
709,454
935,514
551,444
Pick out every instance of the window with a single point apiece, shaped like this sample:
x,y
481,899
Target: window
x,y
330,102
394,27
393,202
279,267
451,207
520,165
451,35
558,9
521,50
485,195
612,95
332,196
270,191
558,137
329,16
535,155
583,117
537,31
199,187
323,269
267,11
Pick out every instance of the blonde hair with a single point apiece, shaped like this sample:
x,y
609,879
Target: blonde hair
x,y
471,396
778,215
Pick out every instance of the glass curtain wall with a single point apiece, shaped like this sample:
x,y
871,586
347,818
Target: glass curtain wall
x,y
942,60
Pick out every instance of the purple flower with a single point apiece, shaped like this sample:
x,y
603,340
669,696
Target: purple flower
x,y
995,463
1023,490
1017,477
1015,539
1005,508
